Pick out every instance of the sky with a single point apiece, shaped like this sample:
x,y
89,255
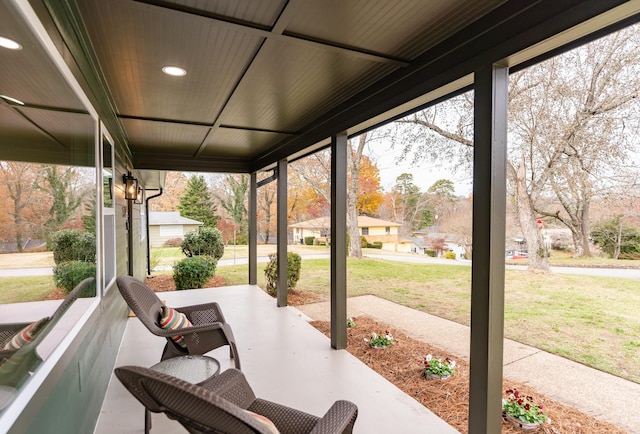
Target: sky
x,y
424,175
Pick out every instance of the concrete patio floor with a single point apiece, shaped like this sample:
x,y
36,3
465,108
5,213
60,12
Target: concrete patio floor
x,y
285,360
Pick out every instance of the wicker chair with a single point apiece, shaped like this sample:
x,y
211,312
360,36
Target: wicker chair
x,y
208,331
218,405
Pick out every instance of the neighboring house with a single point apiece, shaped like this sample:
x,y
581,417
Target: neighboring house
x,y
166,225
373,229
424,240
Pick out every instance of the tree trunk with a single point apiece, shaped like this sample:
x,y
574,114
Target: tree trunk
x,y
527,219
618,242
355,247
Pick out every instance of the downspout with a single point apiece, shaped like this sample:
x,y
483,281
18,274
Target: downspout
x,y
146,210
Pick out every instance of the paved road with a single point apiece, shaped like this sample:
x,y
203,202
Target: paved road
x,y
608,272
626,273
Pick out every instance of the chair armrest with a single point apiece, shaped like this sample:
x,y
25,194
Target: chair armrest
x,y
203,313
231,385
339,419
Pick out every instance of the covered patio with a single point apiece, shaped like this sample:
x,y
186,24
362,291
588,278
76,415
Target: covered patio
x,y
260,85
285,359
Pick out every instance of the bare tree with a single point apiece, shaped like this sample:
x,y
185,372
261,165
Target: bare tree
x,y
569,134
316,171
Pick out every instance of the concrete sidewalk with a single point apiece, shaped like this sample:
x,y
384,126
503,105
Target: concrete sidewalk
x,y
601,395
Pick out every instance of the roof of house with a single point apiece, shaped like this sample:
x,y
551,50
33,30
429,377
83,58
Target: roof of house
x,y
170,218
325,222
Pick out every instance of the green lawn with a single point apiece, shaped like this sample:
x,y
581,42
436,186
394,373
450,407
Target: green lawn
x,y
24,289
592,320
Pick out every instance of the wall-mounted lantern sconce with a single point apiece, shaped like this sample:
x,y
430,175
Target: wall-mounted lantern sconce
x,y
130,187
140,197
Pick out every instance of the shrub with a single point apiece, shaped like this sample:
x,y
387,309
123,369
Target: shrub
x,y
375,245
431,253
363,242
293,271
308,241
194,272
73,245
205,241
67,275
173,242
450,255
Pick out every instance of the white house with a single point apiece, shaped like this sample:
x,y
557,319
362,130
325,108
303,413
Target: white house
x,y
167,225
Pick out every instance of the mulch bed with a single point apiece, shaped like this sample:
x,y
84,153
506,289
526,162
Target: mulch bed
x,y
164,282
401,364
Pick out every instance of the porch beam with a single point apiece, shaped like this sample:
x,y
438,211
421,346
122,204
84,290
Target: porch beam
x,y
487,271
253,229
281,291
339,241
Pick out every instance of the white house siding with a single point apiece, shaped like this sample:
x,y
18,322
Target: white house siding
x,y
159,234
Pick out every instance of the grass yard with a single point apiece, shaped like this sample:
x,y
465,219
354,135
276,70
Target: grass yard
x,y
592,320
25,289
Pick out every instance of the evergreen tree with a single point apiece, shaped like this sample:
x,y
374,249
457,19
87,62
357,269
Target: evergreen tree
x,y
196,202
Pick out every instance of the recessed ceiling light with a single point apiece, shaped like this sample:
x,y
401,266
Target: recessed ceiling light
x,y
174,70
10,44
13,100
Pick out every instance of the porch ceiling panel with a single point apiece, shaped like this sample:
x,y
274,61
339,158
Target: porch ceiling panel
x,y
269,79
237,142
289,84
133,41
38,136
52,126
263,12
385,27
165,137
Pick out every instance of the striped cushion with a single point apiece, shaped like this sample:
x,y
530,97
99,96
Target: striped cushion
x,y
171,319
25,335
264,422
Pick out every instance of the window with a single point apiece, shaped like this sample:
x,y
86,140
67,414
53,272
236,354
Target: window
x,y
365,231
387,230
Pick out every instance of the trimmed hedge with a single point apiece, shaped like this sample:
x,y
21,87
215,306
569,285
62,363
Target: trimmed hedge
x,y
294,262
73,245
67,275
450,255
194,272
205,241
308,241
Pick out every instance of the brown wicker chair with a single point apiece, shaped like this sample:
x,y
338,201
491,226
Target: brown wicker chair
x,y
209,329
218,405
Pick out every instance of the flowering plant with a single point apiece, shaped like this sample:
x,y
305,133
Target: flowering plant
x,y
350,323
438,367
380,341
521,407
